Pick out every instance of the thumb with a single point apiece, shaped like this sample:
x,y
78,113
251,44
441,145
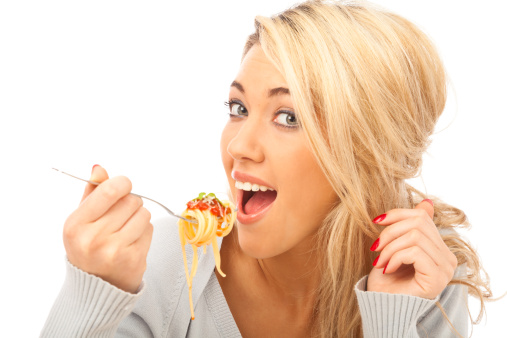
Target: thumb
x,y
426,205
99,175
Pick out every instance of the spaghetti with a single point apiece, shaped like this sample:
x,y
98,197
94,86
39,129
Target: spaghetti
x,y
215,218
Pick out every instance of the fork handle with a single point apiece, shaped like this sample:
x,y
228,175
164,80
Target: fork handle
x,y
147,198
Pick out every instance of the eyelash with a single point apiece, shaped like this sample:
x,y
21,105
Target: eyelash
x,y
229,103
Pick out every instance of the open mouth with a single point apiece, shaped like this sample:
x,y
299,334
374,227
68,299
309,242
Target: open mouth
x,y
255,202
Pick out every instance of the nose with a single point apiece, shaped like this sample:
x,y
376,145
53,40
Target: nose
x,y
246,145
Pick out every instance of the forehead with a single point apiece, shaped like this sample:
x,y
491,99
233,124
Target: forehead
x,y
257,68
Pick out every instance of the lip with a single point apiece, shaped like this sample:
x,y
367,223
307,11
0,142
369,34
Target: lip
x,y
242,177
250,218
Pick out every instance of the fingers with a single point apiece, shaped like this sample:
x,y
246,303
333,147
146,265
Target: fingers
x,y
412,242
99,175
413,255
429,278
117,216
136,227
420,222
103,197
412,238
424,209
436,251
142,244
109,234
426,205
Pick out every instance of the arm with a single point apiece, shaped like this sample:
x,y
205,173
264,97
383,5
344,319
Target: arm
x,y
88,306
397,315
410,279
107,240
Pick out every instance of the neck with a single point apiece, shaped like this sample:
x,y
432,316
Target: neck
x,y
295,274
279,291
292,277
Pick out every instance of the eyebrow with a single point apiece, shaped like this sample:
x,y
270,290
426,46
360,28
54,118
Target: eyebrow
x,y
271,92
278,91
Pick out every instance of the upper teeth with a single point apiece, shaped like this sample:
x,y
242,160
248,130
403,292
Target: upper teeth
x,y
247,186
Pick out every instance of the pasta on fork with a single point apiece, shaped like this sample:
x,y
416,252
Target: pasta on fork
x,y
215,218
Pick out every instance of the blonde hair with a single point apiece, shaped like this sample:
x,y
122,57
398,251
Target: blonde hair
x,y
368,88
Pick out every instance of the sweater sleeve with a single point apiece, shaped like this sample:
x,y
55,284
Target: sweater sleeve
x,y
88,306
398,315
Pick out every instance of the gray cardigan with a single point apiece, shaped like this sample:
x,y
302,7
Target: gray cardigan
x,y
87,306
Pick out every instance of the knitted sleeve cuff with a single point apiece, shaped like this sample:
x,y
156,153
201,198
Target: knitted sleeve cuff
x,y
390,315
88,306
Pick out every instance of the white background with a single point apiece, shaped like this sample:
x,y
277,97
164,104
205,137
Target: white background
x,y
138,87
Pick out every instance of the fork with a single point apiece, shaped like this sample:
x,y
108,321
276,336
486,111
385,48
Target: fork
x,y
149,199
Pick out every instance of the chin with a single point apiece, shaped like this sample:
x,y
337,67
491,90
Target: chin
x,y
256,246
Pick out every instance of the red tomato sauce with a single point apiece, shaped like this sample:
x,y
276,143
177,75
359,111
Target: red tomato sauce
x,y
215,208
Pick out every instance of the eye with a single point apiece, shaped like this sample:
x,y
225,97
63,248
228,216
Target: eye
x,y
286,119
236,108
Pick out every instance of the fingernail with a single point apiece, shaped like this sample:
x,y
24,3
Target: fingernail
x,y
379,219
96,165
375,244
385,267
376,260
429,201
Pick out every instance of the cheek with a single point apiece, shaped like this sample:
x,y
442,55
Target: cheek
x,y
309,196
225,139
227,160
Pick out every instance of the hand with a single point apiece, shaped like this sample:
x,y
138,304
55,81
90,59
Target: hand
x,y
109,234
413,260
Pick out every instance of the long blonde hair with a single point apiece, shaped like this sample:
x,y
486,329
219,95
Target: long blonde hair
x,y
368,88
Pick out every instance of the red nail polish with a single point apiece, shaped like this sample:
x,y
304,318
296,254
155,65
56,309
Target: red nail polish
x,y
429,201
379,219
375,244
94,166
385,267
376,260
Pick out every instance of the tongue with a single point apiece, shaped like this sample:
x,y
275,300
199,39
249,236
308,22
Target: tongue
x,y
259,201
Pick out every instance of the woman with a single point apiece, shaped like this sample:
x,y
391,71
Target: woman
x,y
332,109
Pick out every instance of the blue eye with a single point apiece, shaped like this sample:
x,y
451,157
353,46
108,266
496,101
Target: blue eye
x,y
286,119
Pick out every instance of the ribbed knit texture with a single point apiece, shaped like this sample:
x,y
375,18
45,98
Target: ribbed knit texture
x,y
386,315
87,306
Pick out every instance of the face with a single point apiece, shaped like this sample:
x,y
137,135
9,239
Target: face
x,y
263,146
